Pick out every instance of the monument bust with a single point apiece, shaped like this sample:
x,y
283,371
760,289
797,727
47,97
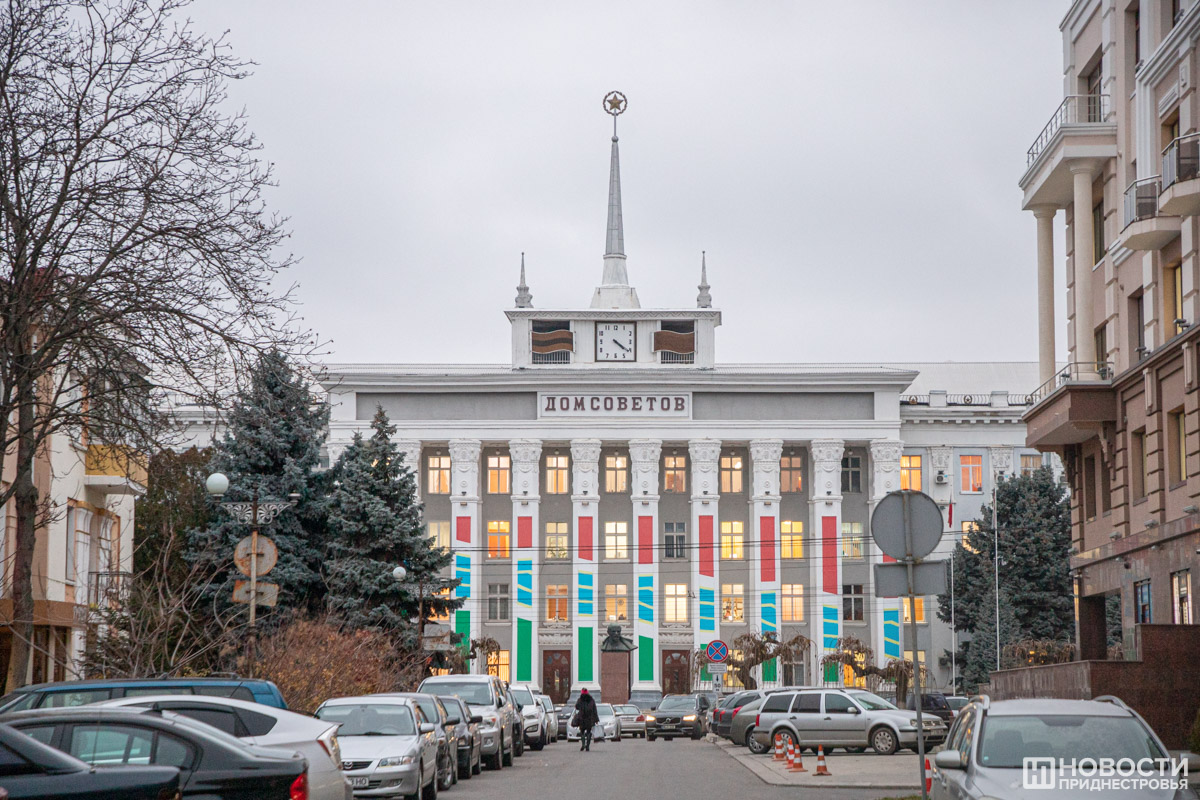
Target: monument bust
x,y
614,642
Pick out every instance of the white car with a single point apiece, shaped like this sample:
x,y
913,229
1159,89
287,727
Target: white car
x,y
533,715
551,717
388,748
265,726
610,724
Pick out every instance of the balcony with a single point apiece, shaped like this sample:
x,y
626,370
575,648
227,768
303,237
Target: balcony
x,y
107,589
1081,128
114,469
1145,227
1071,407
1181,177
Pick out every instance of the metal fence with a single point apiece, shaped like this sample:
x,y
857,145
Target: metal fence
x,y
1141,200
1074,109
1181,160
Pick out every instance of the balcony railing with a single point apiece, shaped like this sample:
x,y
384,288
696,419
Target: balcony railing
x,y
107,589
1141,200
1075,109
1075,372
1181,160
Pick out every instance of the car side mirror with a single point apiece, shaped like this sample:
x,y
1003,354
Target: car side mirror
x,y
520,707
453,720
855,710
475,720
499,702
949,759
428,728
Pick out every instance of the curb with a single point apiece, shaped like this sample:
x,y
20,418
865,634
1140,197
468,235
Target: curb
x,y
771,778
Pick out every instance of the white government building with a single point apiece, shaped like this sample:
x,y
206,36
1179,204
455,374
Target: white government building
x,y
616,473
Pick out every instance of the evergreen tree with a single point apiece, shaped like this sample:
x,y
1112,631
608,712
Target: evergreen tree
x,y
271,449
174,503
375,525
979,657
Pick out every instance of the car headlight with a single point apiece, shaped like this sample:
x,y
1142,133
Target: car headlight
x,y
690,718
491,721
396,761
651,718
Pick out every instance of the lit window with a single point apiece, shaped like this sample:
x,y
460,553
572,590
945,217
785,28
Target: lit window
x,y
853,541
497,664
675,541
791,476
731,680
676,602
791,532
616,475
1181,590
615,602
497,602
731,474
732,540
675,474
439,534
793,602
910,473
849,678
733,603
852,474
557,602
556,540
437,475
498,474
969,527
441,596
498,538
908,656
1142,610
972,474
616,540
1030,464
557,481
920,609
853,602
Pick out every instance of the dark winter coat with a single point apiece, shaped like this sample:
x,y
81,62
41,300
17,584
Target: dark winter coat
x,y
586,716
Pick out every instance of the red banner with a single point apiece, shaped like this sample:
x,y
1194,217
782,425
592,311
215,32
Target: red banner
x,y
585,538
829,555
645,540
706,546
462,529
524,531
766,547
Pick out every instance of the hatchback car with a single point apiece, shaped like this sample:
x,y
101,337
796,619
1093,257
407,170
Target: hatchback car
x,y
564,713
676,715
388,748
609,725
723,714
552,731
470,740
78,693
742,727
485,696
633,721
433,710
533,716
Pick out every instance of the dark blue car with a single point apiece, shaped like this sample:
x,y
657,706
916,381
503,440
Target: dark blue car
x,y
63,694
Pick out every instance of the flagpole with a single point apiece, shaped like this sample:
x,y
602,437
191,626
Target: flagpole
x,y
996,570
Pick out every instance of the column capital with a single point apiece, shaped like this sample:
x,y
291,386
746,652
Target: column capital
x,y
1044,211
585,469
526,457
827,466
411,449
885,466
1001,459
1083,165
464,464
705,455
643,462
764,458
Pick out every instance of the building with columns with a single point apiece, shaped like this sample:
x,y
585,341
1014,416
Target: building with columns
x,y
615,472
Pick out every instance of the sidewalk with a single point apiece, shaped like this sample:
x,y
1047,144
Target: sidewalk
x,y
866,771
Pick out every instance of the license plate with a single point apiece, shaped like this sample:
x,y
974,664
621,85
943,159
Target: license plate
x,y
360,783
668,727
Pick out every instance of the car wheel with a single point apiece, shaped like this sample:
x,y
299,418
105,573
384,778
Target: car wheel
x,y
883,741
431,791
752,744
464,773
507,757
445,778
650,737
855,750
519,744
541,742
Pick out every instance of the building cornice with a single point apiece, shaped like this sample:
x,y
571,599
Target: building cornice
x,y
1181,38
588,314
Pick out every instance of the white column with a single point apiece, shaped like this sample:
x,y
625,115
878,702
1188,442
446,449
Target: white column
x,y
526,455
885,613
764,519
411,450
1045,289
1085,333
644,458
1001,461
466,540
705,455
585,496
826,582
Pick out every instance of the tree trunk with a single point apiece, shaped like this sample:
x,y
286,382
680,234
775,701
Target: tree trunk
x,y
902,690
26,500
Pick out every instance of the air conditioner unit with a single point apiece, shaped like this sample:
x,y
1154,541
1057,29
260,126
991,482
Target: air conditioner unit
x,y
940,478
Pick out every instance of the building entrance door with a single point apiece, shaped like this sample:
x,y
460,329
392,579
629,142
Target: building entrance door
x,y
556,675
676,671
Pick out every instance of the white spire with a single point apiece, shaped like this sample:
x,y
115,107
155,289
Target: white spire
x,y
524,298
614,290
704,299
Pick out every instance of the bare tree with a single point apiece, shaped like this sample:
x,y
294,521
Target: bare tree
x,y
752,649
136,252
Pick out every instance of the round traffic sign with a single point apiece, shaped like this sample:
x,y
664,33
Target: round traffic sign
x,y
907,524
268,554
718,651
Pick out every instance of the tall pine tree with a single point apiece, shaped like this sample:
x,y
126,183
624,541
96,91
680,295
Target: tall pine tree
x,y
375,525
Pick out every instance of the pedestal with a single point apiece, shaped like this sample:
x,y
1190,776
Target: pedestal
x,y
614,678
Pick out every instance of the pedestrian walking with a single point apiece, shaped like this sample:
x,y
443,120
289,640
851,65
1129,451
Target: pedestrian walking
x,y
586,718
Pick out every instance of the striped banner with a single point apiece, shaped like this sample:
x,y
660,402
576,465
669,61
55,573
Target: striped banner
x,y
708,609
462,571
552,341
646,598
891,633
525,583
769,616
829,627
586,587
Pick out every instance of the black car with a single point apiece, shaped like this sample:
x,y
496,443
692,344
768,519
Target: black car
x,y
676,715
564,719
470,739
726,710
210,762
933,703
434,711
30,769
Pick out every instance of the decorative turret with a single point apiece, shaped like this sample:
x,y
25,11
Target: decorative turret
x,y
704,299
614,290
524,297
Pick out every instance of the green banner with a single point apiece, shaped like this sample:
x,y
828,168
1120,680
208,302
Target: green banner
x,y
584,637
645,658
524,650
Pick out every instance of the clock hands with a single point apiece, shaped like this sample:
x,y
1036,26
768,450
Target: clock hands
x,y
618,344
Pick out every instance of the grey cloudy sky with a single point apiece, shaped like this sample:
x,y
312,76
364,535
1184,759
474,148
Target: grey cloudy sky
x,y
850,168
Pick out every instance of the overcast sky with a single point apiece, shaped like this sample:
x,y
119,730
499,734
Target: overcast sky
x,y
851,168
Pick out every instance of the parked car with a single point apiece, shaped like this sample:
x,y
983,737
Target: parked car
x,y
742,727
989,741
470,740
30,770
723,713
841,718
610,725
933,703
211,763
433,710
518,724
676,715
532,714
486,697
553,728
267,726
956,702
564,713
78,693
388,748
633,721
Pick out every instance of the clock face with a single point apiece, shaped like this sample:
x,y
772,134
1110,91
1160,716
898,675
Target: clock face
x,y
616,341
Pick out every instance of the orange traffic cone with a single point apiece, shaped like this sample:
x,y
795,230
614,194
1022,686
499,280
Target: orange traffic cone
x,y
821,769
779,756
928,777
795,762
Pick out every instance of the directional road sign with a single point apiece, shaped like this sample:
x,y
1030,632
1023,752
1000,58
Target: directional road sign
x,y
268,554
268,593
718,651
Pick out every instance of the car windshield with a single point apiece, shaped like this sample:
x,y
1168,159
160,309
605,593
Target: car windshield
x,y
524,696
628,710
476,693
370,719
604,710
1006,741
956,702
729,701
677,704
871,701
753,705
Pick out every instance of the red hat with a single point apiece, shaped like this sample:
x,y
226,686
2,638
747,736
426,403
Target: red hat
x,y
585,691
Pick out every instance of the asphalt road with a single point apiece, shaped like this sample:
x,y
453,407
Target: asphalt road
x,y
635,769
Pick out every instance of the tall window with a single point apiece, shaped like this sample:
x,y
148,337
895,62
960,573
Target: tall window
x,y
439,534
676,602
910,473
853,541
675,474
908,609
1173,299
557,602
792,608
675,541
497,602
616,475
556,540
616,540
851,474
1101,339
733,602
71,539
731,474
498,538
443,596
615,602
969,527
497,664
1098,247
791,474
1138,466
791,538
557,470
499,470
853,602
1142,611
437,475
732,540
1030,464
1181,593
971,468
1176,452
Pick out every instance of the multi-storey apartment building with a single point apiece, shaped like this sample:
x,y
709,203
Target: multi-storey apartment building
x,y
1121,159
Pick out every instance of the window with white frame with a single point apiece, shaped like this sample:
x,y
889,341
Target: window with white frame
x,y
675,474
439,534
557,602
498,538
851,474
497,602
854,542
1181,593
556,541
733,539
499,474
437,474
971,468
731,474
791,538
616,540
1030,464
616,474
920,605
733,602
616,603
557,474
675,540
792,607
676,602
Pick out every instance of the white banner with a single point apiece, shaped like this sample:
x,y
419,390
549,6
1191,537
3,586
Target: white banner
x,y
551,405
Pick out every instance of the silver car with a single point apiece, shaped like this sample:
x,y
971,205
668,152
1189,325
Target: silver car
x,y
388,748
533,716
990,742
633,721
552,732
488,698
609,725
